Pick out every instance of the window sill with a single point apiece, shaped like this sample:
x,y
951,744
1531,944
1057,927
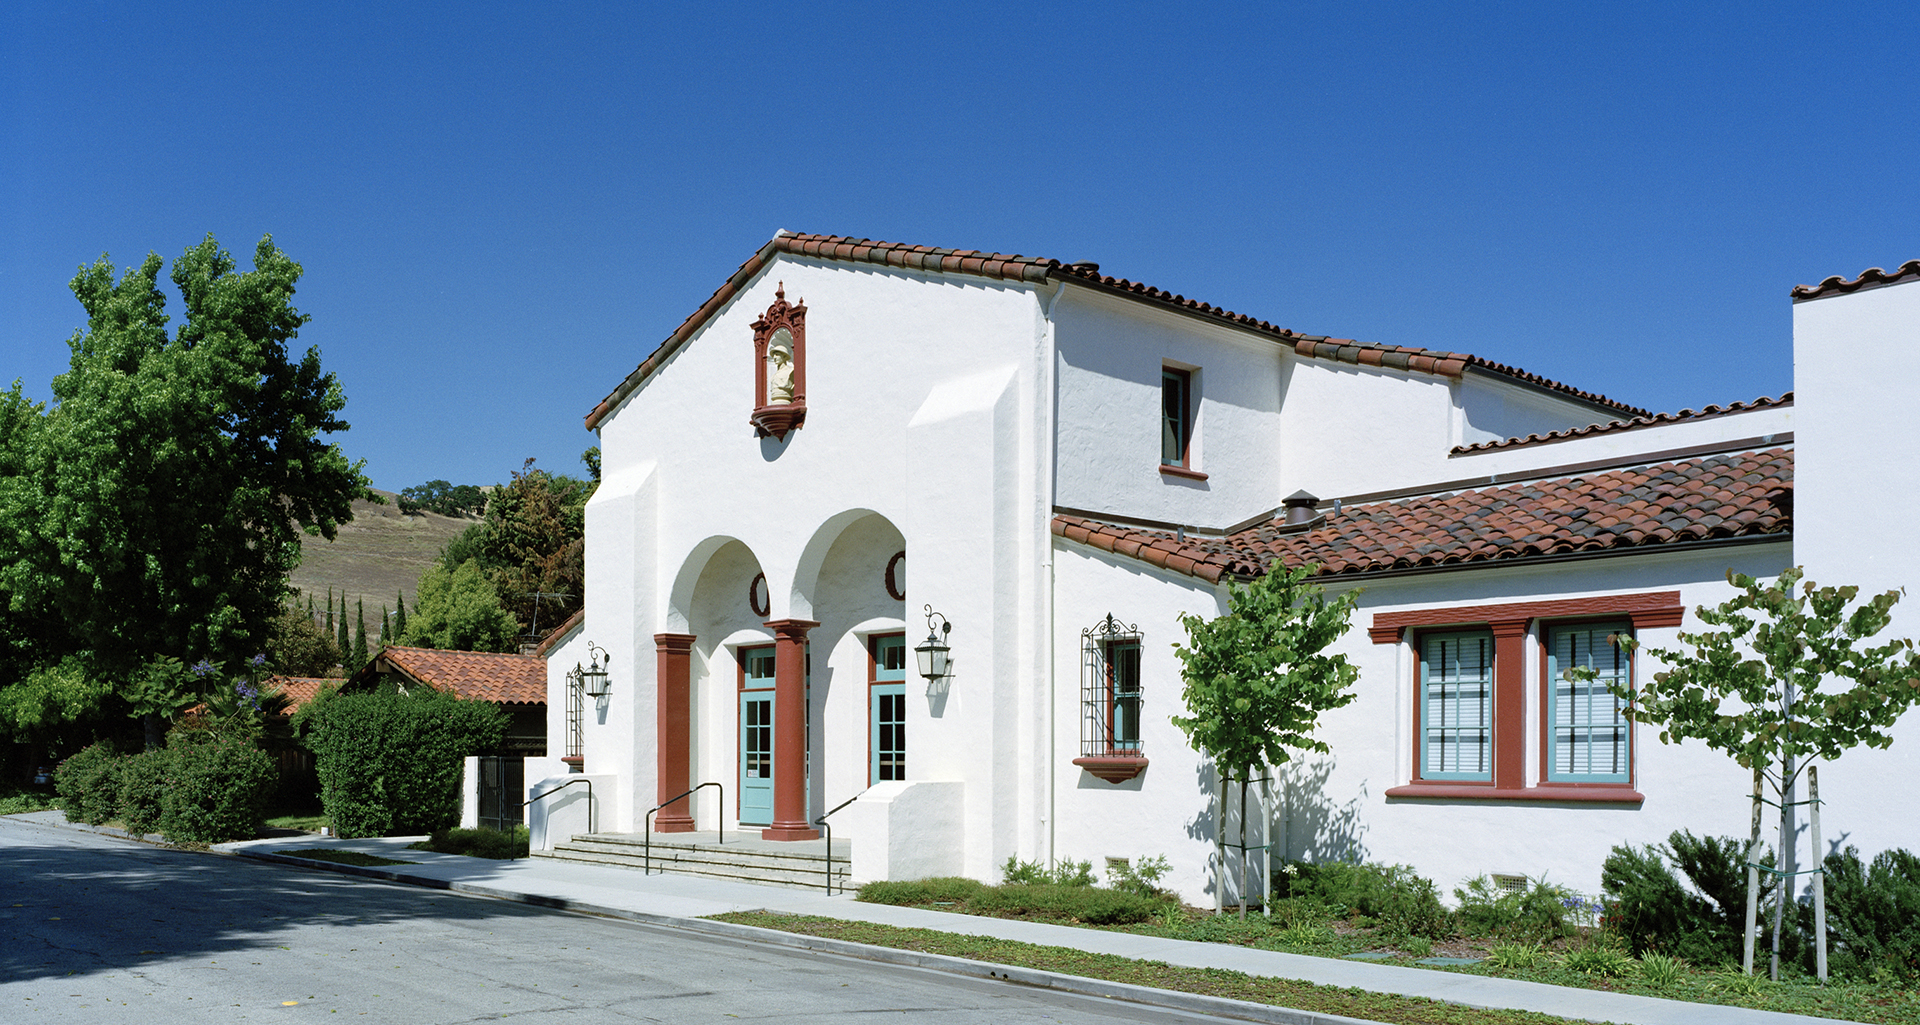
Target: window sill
x,y
1167,470
1602,793
1113,768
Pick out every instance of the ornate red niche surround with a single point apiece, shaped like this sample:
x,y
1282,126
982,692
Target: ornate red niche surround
x,y
1508,624
775,420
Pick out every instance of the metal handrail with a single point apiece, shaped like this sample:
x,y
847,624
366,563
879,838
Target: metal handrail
x,y
824,824
646,865
563,786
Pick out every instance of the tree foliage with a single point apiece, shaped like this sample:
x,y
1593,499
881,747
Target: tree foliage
x,y
155,508
299,647
459,611
1759,685
1257,678
536,534
443,498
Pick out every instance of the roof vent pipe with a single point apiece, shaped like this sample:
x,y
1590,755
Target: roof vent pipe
x,y
1300,508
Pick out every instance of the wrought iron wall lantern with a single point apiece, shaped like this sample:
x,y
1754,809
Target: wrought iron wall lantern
x,y
594,676
935,657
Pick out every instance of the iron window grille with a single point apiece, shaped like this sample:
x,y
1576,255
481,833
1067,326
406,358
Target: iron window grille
x,y
576,713
1110,689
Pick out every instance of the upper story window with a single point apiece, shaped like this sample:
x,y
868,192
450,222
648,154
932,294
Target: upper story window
x,y
1176,416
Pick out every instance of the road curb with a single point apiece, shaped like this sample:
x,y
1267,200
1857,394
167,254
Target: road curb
x,y
1173,1000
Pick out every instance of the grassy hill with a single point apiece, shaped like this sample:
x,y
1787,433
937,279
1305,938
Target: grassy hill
x,y
377,555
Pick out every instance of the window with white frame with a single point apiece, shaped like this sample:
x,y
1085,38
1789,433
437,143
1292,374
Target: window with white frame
x,y
1110,689
1589,737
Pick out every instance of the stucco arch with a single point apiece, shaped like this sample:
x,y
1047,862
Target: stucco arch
x,y
679,607
805,593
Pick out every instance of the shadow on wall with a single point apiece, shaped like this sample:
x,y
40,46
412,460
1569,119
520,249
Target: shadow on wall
x,y
1309,824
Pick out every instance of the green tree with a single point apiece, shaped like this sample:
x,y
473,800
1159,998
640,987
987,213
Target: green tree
x,y
359,636
1257,678
399,618
299,647
443,498
156,507
459,611
1755,686
343,636
536,535
51,705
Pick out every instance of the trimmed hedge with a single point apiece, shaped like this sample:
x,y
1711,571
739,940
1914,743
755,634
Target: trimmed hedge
x,y
217,789
391,763
87,785
203,787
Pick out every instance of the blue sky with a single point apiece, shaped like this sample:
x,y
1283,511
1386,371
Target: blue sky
x,y
502,209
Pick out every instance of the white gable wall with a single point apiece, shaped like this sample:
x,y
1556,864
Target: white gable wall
x,y
1855,480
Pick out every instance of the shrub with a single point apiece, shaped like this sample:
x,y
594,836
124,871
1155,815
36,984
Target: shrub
x,y
1090,904
1402,901
391,763
1515,956
1598,958
940,889
1649,908
1532,915
1142,880
1659,970
142,790
86,784
1065,873
1873,914
479,843
216,789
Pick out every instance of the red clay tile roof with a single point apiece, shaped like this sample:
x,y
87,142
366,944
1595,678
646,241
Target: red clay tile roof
x,y
480,675
1870,277
299,689
1010,267
1727,496
1610,426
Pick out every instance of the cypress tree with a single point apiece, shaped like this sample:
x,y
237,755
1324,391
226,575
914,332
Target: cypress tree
x,y
329,609
343,636
360,635
400,616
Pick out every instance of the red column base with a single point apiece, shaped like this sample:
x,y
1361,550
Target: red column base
x,y
677,823
789,831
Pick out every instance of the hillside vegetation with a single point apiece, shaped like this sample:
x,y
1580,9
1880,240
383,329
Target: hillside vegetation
x,y
380,553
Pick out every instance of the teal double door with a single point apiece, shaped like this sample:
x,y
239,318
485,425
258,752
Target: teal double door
x,y
886,726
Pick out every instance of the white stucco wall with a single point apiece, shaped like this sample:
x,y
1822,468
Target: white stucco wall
x,y
1855,477
1334,805
925,431
1110,355
1767,425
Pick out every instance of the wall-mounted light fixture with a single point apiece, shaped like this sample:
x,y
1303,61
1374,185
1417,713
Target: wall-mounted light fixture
x,y
595,674
935,660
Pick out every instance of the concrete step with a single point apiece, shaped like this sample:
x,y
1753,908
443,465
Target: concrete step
x,y
802,864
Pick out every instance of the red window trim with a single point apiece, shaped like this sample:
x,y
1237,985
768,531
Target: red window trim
x,y
1509,623
1170,470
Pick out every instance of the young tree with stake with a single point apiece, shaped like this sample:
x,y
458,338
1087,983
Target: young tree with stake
x,y
1257,678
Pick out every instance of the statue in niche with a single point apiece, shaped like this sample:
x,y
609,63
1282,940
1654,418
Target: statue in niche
x,y
780,369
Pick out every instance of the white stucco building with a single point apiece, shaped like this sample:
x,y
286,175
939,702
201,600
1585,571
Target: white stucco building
x,y
1068,461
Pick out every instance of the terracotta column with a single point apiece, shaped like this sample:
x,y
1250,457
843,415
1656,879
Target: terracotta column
x,y
1509,704
790,731
673,718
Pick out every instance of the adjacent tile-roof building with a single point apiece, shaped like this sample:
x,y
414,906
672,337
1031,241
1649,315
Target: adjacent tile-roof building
x,y
1742,495
477,675
1872,277
298,689
1612,426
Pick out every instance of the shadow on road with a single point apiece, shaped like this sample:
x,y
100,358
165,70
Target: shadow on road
x,y
71,905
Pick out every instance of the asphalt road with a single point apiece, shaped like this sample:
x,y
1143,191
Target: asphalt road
x,y
100,930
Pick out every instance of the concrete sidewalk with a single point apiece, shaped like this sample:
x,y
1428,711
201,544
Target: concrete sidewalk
x,y
680,901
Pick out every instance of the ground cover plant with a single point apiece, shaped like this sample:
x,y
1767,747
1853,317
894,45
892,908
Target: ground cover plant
x,y
1307,996
1542,933
16,799
477,843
